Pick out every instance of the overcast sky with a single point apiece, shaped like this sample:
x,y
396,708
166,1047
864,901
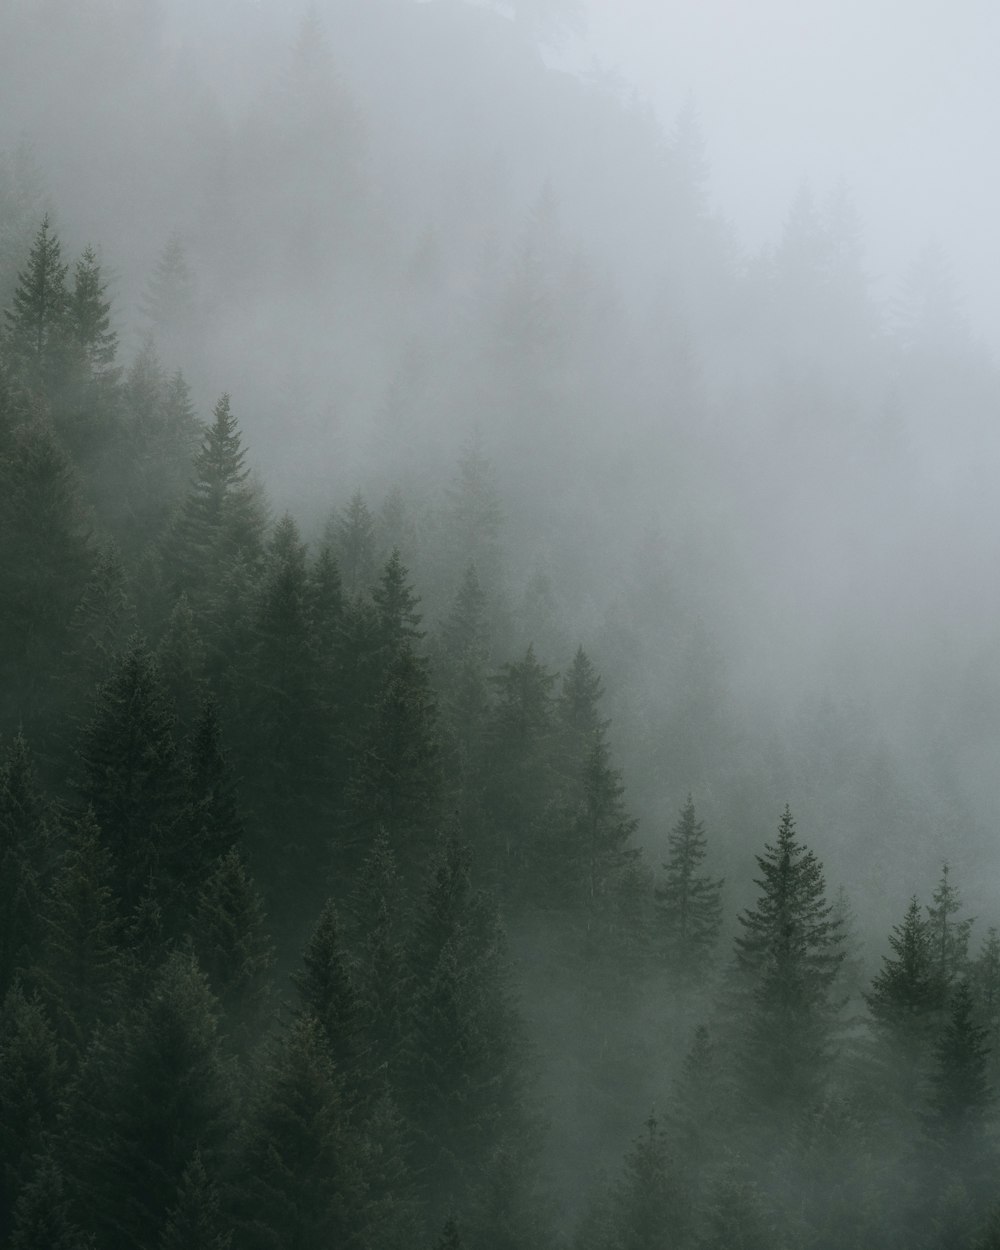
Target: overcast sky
x,y
898,97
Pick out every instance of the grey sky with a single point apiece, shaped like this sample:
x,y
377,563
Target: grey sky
x,y
898,97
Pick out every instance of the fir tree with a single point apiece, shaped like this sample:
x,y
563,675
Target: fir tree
x,y
228,934
36,322
353,538
649,1205
149,1097
80,968
89,317
195,1222
327,992
30,1087
949,937
25,858
396,605
906,1002
689,901
43,1219
129,771
787,958
297,1165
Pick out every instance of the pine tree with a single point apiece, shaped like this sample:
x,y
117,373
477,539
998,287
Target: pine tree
x,y
222,517
960,1097
353,538
43,1218
89,317
129,770
45,560
80,966
195,1222
328,995
36,322
518,780
228,934
649,1206
397,782
104,618
378,928
150,1096
396,605
297,1164
906,1002
463,1054
30,1087
25,858
787,959
737,1216
949,937
689,901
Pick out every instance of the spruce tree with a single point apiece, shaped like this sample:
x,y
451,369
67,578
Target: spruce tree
x,y
150,1095
650,1208
80,966
353,537
949,936
43,1214
297,1164
129,770
25,858
787,958
37,330
327,994
31,1078
195,1222
228,934
89,318
689,901
906,1002
396,605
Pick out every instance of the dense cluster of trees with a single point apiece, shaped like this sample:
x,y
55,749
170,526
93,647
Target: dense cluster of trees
x,y
325,916
277,853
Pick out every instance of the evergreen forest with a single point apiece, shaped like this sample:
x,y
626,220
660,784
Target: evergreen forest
x,y
478,768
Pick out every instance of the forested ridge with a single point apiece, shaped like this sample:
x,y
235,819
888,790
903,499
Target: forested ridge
x,y
388,859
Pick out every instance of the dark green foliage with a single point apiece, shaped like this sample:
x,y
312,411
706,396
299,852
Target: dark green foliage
x,y
30,1088
222,519
129,771
150,1096
787,958
37,328
949,937
89,318
25,859
518,782
464,1049
698,1111
650,1207
736,1216
45,561
689,901
228,934
195,1222
450,1238
43,1218
327,992
906,1002
378,928
297,1176
396,605
353,538
104,619
960,1096
80,970
397,783
181,658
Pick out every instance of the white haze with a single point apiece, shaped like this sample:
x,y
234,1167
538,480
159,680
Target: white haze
x,y
899,98
778,540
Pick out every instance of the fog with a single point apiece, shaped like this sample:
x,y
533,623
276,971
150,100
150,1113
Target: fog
x,y
701,298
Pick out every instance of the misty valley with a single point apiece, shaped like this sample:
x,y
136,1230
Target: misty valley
x,y
499,681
